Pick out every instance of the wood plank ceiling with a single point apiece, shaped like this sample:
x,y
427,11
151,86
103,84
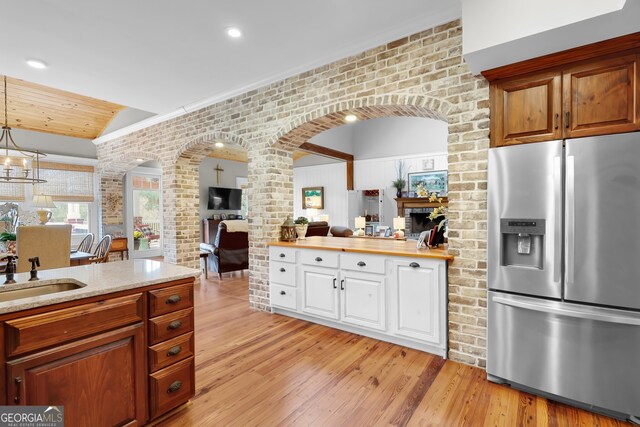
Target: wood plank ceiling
x,y
239,154
40,108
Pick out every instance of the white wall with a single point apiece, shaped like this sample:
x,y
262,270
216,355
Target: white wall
x,y
397,136
500,32
227,180
333,178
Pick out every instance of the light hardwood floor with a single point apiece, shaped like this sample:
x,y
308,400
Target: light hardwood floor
x,y
259,369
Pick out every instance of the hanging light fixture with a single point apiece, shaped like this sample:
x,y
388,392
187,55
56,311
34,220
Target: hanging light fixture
x,y
28,175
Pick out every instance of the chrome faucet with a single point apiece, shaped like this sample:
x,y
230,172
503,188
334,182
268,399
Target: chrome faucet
x,y
10,269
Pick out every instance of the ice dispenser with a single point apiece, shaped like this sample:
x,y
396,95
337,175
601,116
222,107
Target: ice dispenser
x,y
522,242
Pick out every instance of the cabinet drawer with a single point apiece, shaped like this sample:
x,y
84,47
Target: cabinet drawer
x,y
362,262
320,258
283,273
166,300
171,387
170,325
42,330
283,296
282,254
171,351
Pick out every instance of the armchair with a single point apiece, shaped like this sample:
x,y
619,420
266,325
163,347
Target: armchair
x,y
230,251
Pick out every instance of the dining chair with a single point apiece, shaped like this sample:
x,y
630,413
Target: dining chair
x,y
102,250
86,243
50,243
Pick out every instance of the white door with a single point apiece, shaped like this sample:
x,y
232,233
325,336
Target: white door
x,y
320,292
362,299
417,300
144,212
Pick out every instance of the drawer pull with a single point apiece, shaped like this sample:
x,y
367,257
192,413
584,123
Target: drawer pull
x,y
334,283
283,293
281,255
174,325
361,264
342,285
174,351
282,270
414,265
175,386
318,259
174,299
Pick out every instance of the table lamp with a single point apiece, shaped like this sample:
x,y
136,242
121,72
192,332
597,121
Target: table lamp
x,y
324,218
361,222
398,224
311,214
41,201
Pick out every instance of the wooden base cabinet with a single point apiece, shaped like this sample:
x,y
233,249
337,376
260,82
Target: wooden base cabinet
x,y
99,380
401,300
119,359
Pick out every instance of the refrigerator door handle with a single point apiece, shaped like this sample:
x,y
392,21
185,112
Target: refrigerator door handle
x,y
570,220
557,200
576,312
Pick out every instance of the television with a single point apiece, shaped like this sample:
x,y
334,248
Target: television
x,y
225,199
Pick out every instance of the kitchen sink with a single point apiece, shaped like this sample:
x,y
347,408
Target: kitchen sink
x,y
52,288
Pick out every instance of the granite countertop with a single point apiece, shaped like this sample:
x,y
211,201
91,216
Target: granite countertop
x,y
100,279
390,247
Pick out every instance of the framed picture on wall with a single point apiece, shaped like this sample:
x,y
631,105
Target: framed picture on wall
x,y
423,184
313,198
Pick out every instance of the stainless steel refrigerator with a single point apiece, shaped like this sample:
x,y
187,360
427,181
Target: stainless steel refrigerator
x,y
564,271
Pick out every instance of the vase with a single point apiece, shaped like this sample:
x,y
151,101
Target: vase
x,y
301,231
136,244
399,193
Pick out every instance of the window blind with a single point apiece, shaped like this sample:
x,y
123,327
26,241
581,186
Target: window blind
x,y
12,192
66,183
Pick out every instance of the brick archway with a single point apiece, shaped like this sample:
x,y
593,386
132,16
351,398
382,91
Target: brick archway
x,y
181,205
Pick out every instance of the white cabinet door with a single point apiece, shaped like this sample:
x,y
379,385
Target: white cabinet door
x,y
363,299
320,292
418,300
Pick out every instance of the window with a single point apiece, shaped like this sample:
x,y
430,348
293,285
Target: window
x,y
75,213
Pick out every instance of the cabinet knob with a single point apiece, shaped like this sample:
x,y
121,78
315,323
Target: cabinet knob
x,y
175,386
283,293
567,121
361,264
414,265
174,299
282,270
174,325
318,259
18,381
174,351
281,255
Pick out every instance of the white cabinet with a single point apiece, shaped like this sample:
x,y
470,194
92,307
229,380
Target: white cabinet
x,y
418,299
320,292
362,299
391,298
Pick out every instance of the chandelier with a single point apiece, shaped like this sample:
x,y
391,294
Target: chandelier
x,y
11,175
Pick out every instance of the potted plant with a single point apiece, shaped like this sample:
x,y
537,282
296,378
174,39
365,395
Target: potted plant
x,y
400,182
301,227
137,235
438,214
8,242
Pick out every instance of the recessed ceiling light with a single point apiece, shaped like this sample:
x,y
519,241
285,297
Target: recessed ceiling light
x,y
219,144
36,63
139,160
234,32
350,118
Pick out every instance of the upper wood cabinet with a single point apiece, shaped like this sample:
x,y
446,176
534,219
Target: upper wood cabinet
x,y
526,109
558,98
601,97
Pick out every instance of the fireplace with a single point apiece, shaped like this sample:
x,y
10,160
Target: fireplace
x,y
415,211
419,221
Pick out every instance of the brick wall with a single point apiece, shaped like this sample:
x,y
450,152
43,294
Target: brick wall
x,y
422,75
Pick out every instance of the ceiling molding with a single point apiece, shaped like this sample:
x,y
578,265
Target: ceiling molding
x,y
407,29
